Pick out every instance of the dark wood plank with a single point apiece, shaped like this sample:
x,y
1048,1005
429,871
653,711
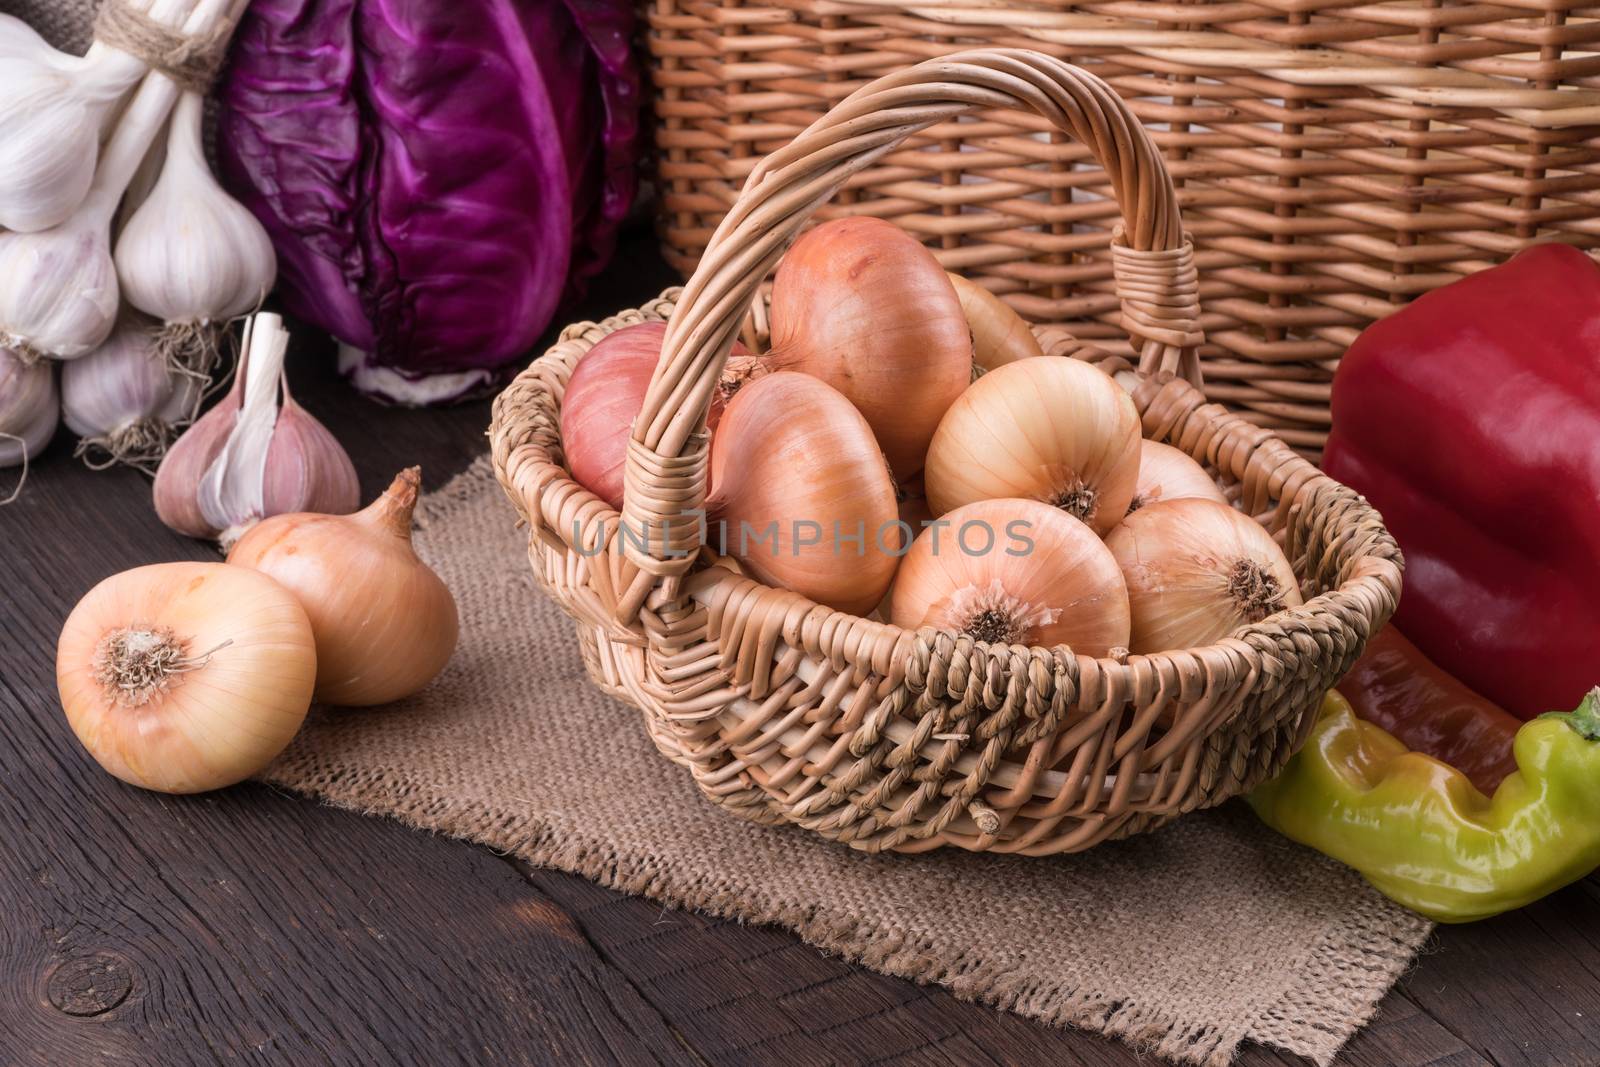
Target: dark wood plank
x,y
249,926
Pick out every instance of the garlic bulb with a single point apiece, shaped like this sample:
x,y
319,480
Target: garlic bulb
x,y
58,290
125,401
28,408
58,286
255,453
51,113
193,255
18,40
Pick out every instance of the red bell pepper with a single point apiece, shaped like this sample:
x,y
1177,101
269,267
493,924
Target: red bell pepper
x,y
1471,420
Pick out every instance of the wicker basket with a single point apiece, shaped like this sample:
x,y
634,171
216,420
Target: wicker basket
x,y
1333,158
784,710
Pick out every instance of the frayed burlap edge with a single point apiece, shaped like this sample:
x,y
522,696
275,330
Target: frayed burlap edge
x,y
1361,956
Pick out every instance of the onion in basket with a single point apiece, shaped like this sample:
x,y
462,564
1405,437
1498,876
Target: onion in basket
x,y
1018,572
1167,473
999,335
604,396
803,494
1197,570
1051,429
862,305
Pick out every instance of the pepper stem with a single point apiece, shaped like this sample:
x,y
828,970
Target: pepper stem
x,y
1585,718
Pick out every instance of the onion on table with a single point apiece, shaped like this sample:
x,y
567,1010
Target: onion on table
x,y
184,677
385,624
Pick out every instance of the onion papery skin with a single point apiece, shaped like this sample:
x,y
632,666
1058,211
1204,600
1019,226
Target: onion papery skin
x,y
863,306
385,624
791,450
1064,588
602,399
1167,473
1052,429
215,724
1195,570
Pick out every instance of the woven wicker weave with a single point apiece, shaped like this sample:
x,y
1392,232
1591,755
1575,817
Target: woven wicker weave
x,y
1333,158
888,739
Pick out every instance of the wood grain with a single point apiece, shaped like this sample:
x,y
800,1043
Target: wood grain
x,y
250,926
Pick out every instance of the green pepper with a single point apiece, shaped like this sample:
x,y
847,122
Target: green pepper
x,y
1420,832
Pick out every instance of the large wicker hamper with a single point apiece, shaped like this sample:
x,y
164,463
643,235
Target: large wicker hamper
x,y
784,710
1333,158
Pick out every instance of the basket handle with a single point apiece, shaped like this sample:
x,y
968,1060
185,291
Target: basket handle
x,y
1153,259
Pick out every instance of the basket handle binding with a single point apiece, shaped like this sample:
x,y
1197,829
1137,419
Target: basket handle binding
x,y
666,472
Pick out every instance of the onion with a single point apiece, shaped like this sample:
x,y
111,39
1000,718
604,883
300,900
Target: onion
x,y
182,677
1167,473
1051,429
385,624
1014,572
803,496
604,396
1197,571
999,335
863,306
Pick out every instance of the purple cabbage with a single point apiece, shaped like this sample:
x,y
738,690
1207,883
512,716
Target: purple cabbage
x,y
437,176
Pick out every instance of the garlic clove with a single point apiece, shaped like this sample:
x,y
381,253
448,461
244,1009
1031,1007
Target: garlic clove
x,y
191,254
58,291
178,478
29,409
307,469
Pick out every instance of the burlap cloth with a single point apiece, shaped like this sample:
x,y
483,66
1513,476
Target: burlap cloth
x,y
1185,942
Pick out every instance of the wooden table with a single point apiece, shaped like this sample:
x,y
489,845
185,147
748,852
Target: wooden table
x,y
250,926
